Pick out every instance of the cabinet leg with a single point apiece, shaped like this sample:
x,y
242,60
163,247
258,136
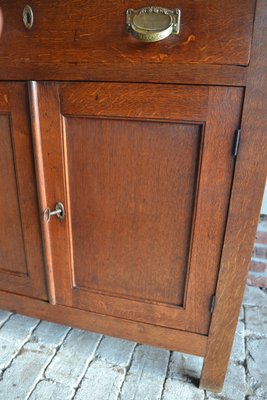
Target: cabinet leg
x,y
213,374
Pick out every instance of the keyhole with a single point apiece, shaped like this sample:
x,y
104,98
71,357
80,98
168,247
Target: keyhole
x,y
27,16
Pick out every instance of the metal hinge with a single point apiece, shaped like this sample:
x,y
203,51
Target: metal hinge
x,y
212,303
236,142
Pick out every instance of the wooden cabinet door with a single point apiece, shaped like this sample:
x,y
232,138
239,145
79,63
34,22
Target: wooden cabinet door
x,y
21,259
145,174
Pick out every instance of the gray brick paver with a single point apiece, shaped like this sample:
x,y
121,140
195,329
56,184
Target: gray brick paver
x,y
105,375
178,390
254,297
238,350
102,382
257,365
20,379
49,334
73,357
256,321
49,390
15,332
185,367
4,315
146,375
29,365
115,351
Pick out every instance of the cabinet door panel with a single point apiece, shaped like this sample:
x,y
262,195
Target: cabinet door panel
x,y
12,255
134,214
21,262
145,173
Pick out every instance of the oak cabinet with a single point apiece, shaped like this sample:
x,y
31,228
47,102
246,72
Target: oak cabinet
x,y
131,173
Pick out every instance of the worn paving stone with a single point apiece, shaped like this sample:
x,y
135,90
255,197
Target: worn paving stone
x,y
241,314
255,297
257,365
106,373
238,352
24,373
73,357
235,385
15,332
49,334
256,321
185,367
102,382
175,389
49,390
115,351
28,367
4,315
146,375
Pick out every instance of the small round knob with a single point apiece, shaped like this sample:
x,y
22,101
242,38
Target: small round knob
x,y
59,212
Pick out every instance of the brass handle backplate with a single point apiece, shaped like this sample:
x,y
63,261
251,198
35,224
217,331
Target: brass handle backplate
x,y
151,24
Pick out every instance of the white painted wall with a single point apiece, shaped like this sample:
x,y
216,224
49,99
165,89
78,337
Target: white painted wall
x,y
264,202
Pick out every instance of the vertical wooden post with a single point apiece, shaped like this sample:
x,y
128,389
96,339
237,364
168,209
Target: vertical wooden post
x,y
250,175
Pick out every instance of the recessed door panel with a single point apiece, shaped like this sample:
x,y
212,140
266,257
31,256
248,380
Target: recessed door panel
x,y
12,254
131,223
21,257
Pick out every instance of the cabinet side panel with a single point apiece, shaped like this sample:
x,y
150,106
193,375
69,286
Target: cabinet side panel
x,y
247,191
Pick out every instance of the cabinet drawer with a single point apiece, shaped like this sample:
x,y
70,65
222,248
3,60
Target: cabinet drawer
x,y
94,33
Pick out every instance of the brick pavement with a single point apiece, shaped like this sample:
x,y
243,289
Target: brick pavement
x,y
258,267
43,361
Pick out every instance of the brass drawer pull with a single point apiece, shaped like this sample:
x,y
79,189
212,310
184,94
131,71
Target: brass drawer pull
x,y
151,24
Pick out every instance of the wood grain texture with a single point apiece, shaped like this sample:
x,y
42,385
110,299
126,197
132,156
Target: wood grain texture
x,y
44,131
136,207
134,101
85,110
12,254
224,110
93,43
21,259
40,186
248,186
196,74
143,333
62,34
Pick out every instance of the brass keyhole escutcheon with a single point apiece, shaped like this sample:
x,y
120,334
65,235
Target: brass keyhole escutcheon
x,y
27,16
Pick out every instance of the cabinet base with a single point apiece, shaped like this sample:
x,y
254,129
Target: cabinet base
x,y
181,341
